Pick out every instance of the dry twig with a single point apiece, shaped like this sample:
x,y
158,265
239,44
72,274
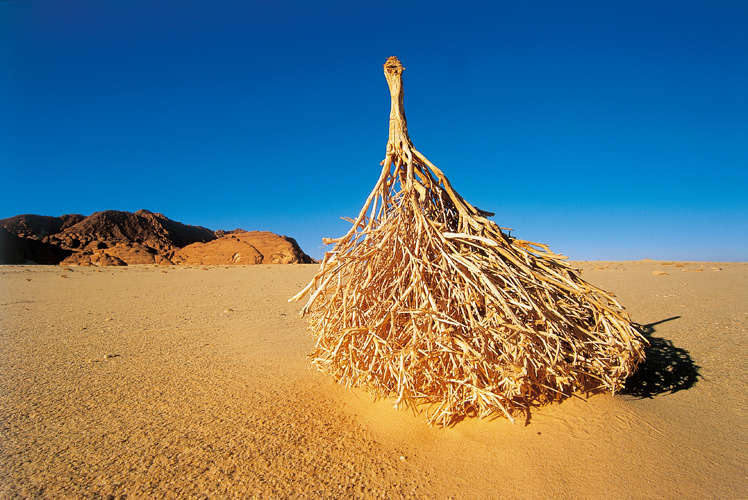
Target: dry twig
x,y
427,302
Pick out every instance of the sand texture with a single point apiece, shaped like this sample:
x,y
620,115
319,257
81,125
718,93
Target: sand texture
x,y
192,382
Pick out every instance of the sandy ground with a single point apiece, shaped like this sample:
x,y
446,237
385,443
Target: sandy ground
x,y
171,382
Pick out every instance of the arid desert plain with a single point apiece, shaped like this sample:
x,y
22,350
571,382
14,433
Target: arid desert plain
x,y
192,382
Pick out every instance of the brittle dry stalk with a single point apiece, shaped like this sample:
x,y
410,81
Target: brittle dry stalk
x,y
429,303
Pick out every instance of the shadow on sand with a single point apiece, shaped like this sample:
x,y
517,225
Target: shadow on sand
x,y
667,369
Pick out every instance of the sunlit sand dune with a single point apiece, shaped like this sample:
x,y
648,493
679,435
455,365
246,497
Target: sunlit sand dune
x,y
166,382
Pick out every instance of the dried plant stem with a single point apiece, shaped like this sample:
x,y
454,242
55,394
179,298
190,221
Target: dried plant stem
x,y
429,303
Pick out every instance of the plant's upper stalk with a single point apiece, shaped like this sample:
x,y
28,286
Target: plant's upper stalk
x,y
399,146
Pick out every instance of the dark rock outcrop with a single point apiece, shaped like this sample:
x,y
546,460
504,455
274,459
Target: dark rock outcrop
x,y
112,227
39,226
17,250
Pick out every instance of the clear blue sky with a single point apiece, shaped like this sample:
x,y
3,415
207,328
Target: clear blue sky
x,y
608,130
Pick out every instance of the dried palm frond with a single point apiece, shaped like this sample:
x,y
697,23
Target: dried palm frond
x,y
429,303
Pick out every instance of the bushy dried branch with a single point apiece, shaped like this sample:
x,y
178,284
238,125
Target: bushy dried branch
x,y
429,303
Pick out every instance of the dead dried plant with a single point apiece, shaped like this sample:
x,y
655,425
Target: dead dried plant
x,y
427,302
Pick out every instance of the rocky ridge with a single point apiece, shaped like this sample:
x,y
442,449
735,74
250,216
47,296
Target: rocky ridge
x,y
115,237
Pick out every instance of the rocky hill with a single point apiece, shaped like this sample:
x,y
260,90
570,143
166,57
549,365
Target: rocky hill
x,y
119,238
243,247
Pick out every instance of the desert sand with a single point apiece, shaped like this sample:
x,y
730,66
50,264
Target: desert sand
x,y
179,382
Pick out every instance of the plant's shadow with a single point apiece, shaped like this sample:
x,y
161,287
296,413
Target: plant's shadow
x,y
667,369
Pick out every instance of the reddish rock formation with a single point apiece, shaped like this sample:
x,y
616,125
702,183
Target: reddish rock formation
x,y
244,247
99,258
275,249
127,253
119,238
225,250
